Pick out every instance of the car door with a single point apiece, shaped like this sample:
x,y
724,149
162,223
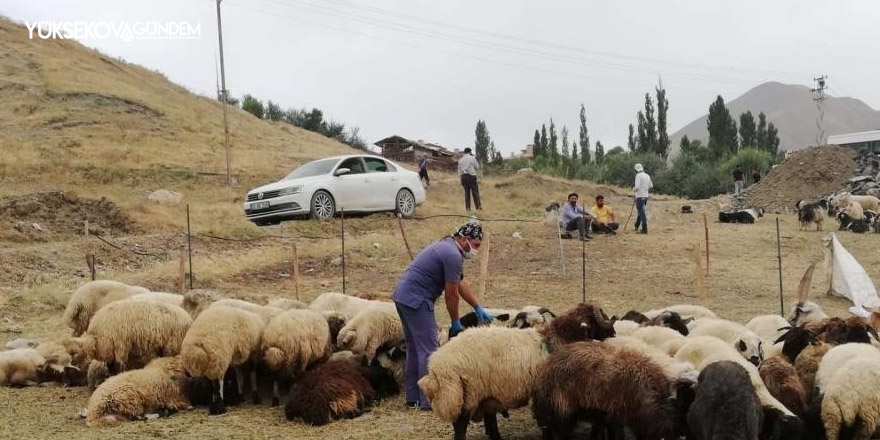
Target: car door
x,y
383,185
352,187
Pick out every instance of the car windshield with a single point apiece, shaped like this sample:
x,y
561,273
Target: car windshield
x,y
315,168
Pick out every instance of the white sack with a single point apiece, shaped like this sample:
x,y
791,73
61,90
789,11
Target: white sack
x,y
848,278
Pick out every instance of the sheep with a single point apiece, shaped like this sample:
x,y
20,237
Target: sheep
x,y
377,325
665,339
197,300
746,342
685,310
840,355
335,321
88,298
499,365
624,387
781,380
220,338
844,200
129,334
725,403
700,351
19,367
168,298
531,316
806,365
635,316
501,318
812,213
286,304
850,399
337,389
160,386
349,306
265,312
625,327
794,340
767,327
21,343
848,222
294,341
676,372
670,319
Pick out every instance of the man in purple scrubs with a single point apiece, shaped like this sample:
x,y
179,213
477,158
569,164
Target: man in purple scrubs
x,y
437,269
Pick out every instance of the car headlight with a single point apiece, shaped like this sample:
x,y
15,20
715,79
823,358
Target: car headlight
x,y
291,190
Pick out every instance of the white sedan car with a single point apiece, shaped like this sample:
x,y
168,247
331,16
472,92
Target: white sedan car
x,y
322,188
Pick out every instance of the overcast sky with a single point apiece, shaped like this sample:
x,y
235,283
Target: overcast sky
x,y
430,70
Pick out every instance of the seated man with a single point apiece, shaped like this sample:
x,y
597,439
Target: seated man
x,y
574,218
604,220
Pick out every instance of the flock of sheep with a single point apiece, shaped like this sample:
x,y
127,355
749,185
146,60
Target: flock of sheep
x,y
853,213
663,374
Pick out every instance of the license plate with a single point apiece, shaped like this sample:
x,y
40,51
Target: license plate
x,y
260,205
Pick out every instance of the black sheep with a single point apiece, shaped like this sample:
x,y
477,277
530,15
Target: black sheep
x,y
726,405
847,222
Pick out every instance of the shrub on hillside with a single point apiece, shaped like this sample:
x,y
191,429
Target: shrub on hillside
x,y
253,106
620,168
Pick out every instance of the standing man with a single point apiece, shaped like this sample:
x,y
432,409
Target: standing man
x,y
604,219
575,219
423,169
640,192
467,171
437,269
737,181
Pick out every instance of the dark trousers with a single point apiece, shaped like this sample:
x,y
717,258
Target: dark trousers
x,y
423,174
608,228
420,334
641,219
577,224
471,188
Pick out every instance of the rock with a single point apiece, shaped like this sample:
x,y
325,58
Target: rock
x,y
325,284
165,196
336,261
860,179
375,245
82,413
37,227
517,235
525,171
22,343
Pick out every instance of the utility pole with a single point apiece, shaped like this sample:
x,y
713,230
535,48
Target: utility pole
x,y
820,104
224,98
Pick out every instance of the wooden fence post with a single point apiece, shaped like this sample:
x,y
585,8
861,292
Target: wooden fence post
x,y
706,227
295,272
181,281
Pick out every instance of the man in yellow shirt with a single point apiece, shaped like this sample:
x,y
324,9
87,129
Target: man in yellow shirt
x,y
604,219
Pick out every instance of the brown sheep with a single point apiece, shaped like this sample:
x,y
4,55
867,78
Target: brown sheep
x,y
622,387
782,381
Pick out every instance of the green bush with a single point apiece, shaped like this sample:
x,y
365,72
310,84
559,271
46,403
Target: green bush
x,y
619,169
749,159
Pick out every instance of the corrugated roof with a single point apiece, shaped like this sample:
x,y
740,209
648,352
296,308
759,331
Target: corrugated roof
x,y
854,138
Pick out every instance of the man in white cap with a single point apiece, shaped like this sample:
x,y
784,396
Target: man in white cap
x,y
640,192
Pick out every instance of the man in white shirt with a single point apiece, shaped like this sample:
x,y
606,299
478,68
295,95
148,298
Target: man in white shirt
x,y
467,171
640,192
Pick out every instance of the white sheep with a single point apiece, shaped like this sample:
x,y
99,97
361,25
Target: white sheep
x,y
676,371
160,386
745,341
377,325
265,312
129,334
220,338
349,306
768,327
685,310
88,298
19,367
700,351
806,312
851,398
625,327
663,338
168,298
837,356
294,341
286,304
197,300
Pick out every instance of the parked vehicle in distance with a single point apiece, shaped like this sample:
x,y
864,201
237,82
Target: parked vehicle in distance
x,y
320,189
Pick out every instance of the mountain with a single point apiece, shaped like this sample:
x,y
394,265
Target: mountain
x,y
792,110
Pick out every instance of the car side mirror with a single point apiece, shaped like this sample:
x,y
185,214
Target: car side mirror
x,y
342,172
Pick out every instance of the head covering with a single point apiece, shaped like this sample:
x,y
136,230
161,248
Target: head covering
x,y
467,150
639,168
471,231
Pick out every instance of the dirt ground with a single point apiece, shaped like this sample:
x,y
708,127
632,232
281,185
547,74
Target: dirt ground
x,y
623,272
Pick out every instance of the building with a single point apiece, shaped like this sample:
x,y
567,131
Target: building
x,y
406,151
865,142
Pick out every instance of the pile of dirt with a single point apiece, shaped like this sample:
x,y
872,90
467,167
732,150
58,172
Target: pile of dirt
x,y
806,174
45,216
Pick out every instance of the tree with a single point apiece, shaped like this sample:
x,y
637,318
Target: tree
x,y
273,111
574,150
252,105
631,140
545,147
722,129
494,155
584,136
615,151
747,130
650,126
600,152
536,145
313,120
761,132
565,142
772,139
662,135
481,145
554,141
644,143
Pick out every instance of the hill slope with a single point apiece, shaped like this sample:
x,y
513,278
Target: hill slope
x,y
792,110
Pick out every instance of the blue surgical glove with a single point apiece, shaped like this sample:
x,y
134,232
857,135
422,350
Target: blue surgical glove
x,y
482,315
455,328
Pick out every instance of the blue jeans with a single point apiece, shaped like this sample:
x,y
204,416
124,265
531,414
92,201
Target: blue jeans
x,y
420,333
641,218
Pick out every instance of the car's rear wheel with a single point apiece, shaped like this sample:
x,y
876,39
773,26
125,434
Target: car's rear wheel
x,y
322,206
405,203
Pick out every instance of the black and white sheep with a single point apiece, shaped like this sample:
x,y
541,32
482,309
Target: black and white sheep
x,y
745,341
741,215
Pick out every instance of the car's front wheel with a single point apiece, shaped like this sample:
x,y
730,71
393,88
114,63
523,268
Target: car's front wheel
x,y
322,206
405,203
